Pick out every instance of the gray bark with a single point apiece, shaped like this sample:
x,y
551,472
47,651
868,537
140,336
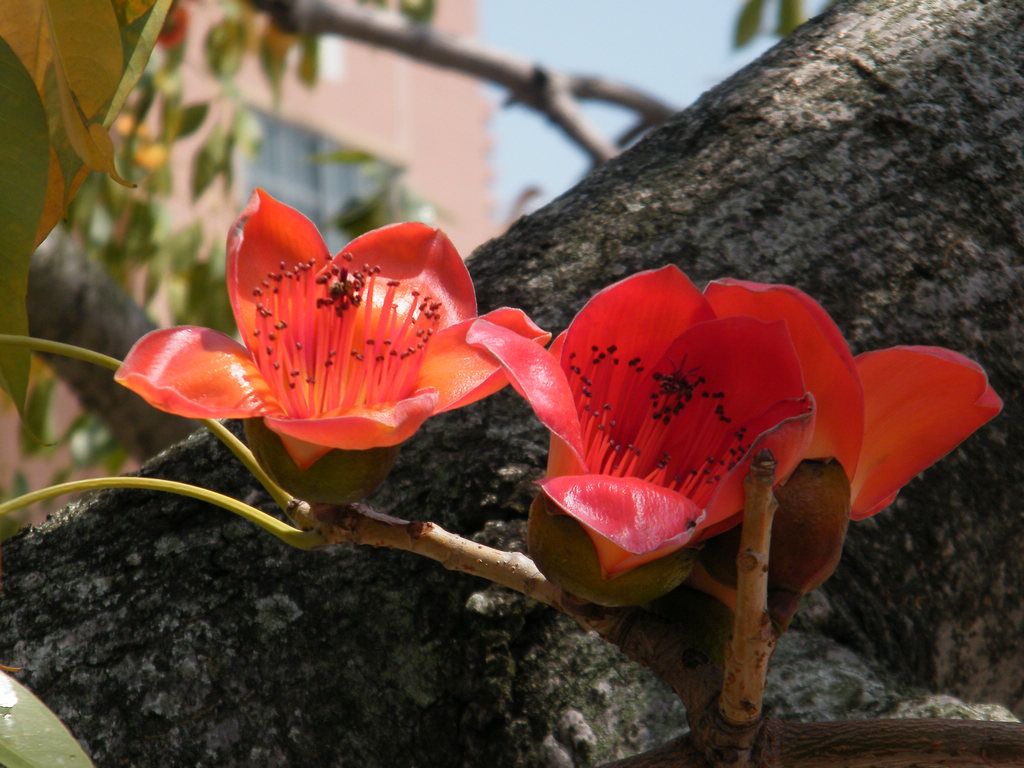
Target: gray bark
x,y
874,160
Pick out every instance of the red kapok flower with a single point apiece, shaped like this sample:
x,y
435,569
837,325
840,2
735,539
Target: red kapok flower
x,y
655,407
884,416
351,352
657,394
175,25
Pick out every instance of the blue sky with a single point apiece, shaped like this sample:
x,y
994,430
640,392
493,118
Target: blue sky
x,y
674,49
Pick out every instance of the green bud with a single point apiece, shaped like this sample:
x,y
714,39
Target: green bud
x,y
565,554
338,477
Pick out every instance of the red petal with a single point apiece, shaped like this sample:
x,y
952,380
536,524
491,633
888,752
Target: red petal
x,y
425,260
266,234
361,428
536,375
785,429
747,367
919,404
659,304
462,373
556,346
563,460
828,368
196,373
643,521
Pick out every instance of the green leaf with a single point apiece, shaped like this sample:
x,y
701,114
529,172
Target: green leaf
x,y
66,68
225,47
39,429
192,117
748,23
31,736
420,11
791,16
246,132
348,156
209,161
24,167
309,64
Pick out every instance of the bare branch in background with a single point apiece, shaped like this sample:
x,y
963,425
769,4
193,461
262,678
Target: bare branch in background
x,y
70,299
555,94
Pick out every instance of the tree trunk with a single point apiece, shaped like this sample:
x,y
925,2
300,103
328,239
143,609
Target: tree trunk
x,y
874,160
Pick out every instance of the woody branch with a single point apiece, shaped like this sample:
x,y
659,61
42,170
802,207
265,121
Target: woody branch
x,y
666,648
553,93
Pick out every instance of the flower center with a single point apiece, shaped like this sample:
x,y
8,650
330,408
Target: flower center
x,y
665,426
339,338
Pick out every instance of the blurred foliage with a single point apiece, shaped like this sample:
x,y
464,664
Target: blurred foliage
x,y
175,266
755,17
66,69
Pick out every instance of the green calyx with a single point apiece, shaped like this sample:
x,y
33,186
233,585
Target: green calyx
x,y
338,477
565,554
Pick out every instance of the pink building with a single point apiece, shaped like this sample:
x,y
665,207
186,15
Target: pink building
x,y
430,123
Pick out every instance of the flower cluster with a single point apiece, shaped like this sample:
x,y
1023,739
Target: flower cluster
x,y
657,397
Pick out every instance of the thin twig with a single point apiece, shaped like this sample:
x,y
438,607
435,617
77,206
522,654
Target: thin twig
x,y
753,638
360,524
553,93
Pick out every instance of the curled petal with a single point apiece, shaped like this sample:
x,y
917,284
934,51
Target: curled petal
x,y
425,261
463,373
360,428
919,404
196,373
266,235
563,460
660,305
630,521
536,375
828,367
785,429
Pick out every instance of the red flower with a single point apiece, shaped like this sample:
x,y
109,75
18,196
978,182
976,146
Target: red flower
x,y
884,416
353,351
655,407
657,395
175,25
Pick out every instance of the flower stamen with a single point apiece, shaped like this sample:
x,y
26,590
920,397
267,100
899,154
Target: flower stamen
x,y
351,339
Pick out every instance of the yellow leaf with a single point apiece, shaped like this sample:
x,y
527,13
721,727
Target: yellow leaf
x,y
78,44
130,10
53,208
66,68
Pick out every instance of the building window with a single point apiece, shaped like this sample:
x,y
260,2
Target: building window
x,y
295,166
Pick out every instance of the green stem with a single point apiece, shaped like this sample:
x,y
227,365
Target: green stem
x,y
236,446
292,536
59,348
241,450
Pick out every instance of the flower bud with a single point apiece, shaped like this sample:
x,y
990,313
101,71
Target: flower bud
x,y
809,527
338,477
808,531
565,554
